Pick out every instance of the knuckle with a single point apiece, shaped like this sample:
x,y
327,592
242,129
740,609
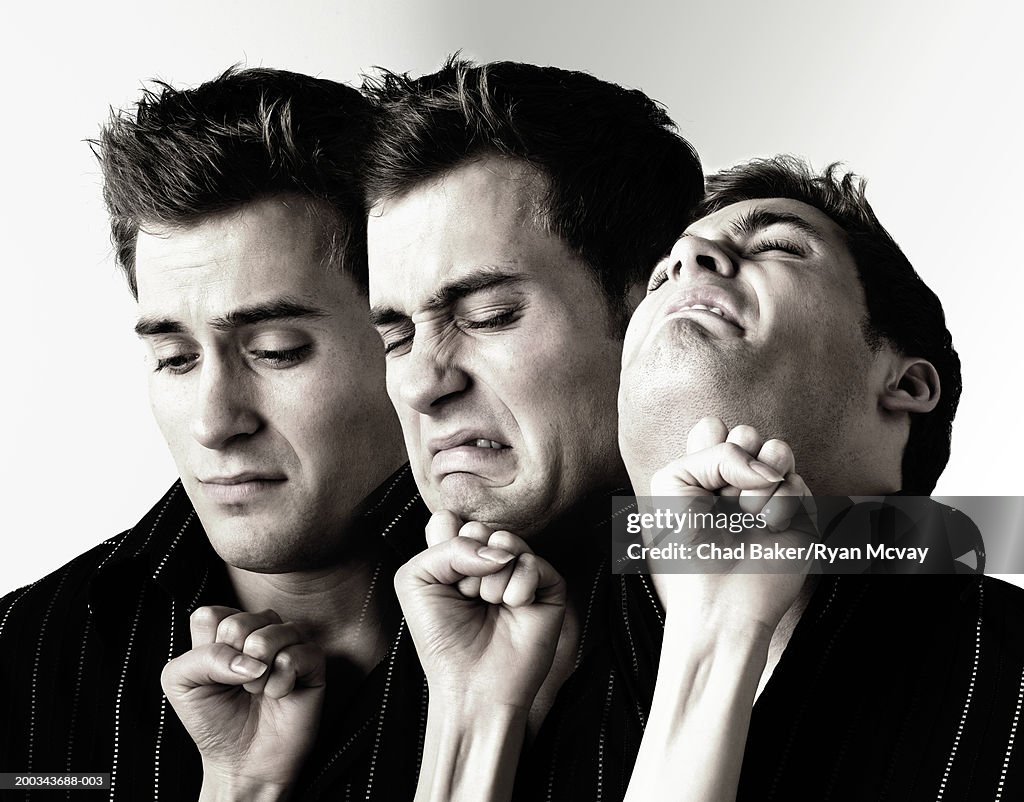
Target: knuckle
x,y
285,661
731,451
475,531
507,541
203,616
167,674
402,574
444,517
257,644
662,475
230,630
777,446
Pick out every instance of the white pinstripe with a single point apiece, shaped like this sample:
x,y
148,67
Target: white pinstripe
x,y
1009,744
590,606
174,544
602,734
3,622
78,689
970,696
383,710
120,694
163,714
35,672
159,517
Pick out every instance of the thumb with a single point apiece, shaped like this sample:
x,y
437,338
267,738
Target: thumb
x,y
213,664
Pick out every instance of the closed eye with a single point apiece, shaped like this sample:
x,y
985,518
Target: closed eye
x,y
782,245
497,320
658,277
283,358
391,345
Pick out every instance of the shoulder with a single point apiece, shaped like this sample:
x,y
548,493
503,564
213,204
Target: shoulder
x,y
57,593
1004,594
1003,613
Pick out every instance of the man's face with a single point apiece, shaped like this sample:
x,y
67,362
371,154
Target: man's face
x,y
267,383
501,359
785,351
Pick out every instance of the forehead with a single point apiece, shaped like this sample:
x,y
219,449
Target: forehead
x,y
727,221
482,216
260,250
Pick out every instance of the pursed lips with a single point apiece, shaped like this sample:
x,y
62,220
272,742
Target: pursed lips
x,y
240,488
240,478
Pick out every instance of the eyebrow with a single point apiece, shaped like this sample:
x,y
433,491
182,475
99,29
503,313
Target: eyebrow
x,y
280,309
757,219
484,278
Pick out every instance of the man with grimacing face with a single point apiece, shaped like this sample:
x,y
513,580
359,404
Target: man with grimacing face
x,y
514,211
785,346
262,576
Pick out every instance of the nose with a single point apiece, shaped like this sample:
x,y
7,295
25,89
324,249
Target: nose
x,y
693,255
429,378
224,407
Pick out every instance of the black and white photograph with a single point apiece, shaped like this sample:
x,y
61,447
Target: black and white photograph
x,y
476,402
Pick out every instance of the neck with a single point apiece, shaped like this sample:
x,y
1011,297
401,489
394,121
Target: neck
x,y
345,608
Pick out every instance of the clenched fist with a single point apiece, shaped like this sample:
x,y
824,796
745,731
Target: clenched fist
x,y
249,692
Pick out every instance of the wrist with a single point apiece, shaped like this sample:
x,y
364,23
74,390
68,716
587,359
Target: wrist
x,y
711,623
475,710
467,700
223,785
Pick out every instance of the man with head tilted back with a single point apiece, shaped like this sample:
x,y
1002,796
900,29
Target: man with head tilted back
x,y
787,346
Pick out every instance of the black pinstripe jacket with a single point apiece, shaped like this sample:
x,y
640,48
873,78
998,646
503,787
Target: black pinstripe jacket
x,y
898,688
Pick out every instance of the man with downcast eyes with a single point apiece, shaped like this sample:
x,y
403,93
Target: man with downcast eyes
x,y
786,345
264,574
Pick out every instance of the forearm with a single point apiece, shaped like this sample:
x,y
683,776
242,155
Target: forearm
x,y
694,740
470,752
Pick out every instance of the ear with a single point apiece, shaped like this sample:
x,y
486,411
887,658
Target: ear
x,y
913,386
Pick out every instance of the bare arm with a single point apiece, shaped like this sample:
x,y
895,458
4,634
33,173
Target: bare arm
x,y
719,624
485,614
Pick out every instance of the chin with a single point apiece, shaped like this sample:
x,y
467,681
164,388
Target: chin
x,y
481,504
265,547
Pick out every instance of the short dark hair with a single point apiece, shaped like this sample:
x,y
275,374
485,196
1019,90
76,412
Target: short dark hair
x,y
620,181
901,310
180,155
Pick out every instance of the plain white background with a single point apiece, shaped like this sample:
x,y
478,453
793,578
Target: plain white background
x,y
924,99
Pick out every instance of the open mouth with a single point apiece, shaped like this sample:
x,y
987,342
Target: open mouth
x,y
464,453
712,309
481,443
708,301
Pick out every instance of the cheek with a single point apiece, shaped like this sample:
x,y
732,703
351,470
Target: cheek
x,y
561,390
170,407
638,328
393,383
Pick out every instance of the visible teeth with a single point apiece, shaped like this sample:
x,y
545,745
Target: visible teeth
x,y
703,308
487,444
